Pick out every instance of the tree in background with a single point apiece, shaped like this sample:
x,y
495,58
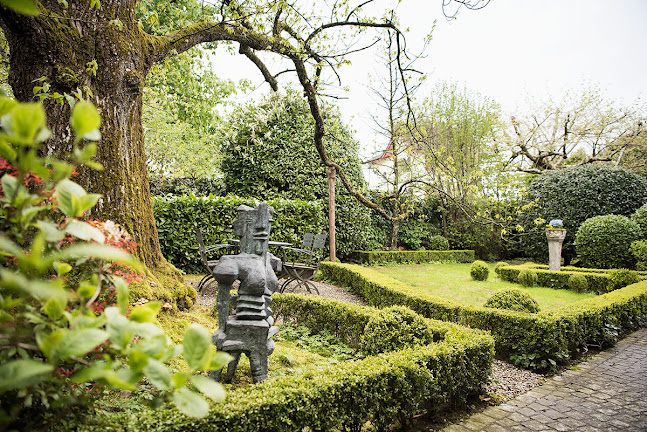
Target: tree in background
x,y
575,194
584,127
267,153
399,179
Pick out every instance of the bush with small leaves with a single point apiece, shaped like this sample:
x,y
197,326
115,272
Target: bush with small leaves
x,y
498,266
621,278
514,299
640,217
438,242
604,241
479,270
578,283
393,329
528,278
639,251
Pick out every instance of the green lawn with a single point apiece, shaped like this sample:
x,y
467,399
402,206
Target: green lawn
x,y
453,282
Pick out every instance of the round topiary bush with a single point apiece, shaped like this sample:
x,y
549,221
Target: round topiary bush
x,y
393,329
604,241
438,242
498,266
640,217
514,299
479,270
621,278
578,283
527,278
639,251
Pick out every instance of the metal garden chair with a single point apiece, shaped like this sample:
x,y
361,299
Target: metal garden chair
x,y
209,257
300,265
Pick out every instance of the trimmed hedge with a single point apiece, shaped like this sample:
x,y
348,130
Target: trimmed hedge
x,y
598,280
177,216
383,389
537,341
414,257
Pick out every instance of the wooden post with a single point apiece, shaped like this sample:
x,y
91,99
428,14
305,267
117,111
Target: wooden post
x,y
331,212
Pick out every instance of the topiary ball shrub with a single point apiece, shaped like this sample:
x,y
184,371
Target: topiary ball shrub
x,y
498,266
438,242
514,299
393,329
578,283
621,278
604,241
640,217
527,278
479,270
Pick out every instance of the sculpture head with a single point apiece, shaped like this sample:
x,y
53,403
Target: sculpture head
x,y
253,226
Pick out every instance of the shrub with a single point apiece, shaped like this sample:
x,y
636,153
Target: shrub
x,y
604,241
514,299
438,242
383,257
566,194
497,266
577,282
393,329
640,217
479,270
639,251
527,277
621,278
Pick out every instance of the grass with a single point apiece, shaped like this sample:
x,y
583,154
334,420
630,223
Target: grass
x,y
453,282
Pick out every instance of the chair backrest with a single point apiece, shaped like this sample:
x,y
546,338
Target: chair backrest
x,y
201,249
317,249
308,238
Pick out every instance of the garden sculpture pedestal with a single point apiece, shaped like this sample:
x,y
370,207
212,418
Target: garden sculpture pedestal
x,y
555,239
249,328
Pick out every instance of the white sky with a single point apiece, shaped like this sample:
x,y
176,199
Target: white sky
x,y
508,51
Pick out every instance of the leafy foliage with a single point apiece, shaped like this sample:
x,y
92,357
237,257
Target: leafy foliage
x,y
393,329
567,194
268,154
640,217
639,251
527,277
604,241
621,278
384,257
438,242
479,270
59,337
513,299
577,282
201,186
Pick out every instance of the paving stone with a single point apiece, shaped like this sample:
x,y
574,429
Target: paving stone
x,y
607,393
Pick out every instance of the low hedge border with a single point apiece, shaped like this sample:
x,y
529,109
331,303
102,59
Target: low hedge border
x,y
598,279
382,389
414,257
536,341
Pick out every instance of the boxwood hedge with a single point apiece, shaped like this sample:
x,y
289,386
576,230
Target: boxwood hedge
x,y
177,216
384,389
537,341
598,280
401,257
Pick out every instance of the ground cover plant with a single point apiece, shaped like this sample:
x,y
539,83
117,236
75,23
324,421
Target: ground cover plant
x,y
452,281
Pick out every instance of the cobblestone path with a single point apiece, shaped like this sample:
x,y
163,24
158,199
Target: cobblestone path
x,y
607,393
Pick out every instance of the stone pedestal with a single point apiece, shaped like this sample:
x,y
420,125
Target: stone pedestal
x,y
555,239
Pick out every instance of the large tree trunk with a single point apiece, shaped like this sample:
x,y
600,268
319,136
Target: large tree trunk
x,y
63,50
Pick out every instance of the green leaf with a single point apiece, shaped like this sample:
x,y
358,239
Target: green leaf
x,y
208,387
24,7
120,329
154,346
53,308
158,374
77,343
42,290
62,268
52,233
85,290
84,231
27,119
6,151
85,120
22,373
9,186
122,294
146,312
49,343
219,360
196,346
6,104
67,194
190,403
98,251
